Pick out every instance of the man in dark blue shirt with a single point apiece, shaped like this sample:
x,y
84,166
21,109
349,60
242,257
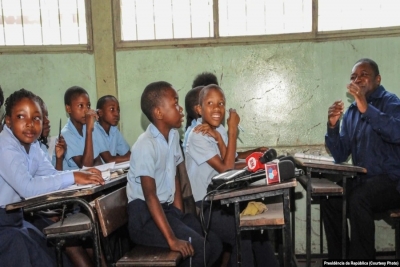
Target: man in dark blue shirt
x,y
370,133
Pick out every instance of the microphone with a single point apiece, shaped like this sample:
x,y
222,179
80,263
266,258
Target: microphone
x,y
253,162
268,156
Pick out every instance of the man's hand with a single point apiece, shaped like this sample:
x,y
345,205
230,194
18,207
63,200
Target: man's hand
x,y
184,247
334,112
89,176
359,95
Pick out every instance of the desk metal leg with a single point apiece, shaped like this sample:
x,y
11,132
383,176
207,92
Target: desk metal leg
x,y
344,219
308,219
287,233
238,236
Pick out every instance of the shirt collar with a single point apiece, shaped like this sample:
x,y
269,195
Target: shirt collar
x,y
155,132
72,128
112,129
9,133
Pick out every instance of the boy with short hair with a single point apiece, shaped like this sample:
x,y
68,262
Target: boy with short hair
x,y
153,189
108,111
79,132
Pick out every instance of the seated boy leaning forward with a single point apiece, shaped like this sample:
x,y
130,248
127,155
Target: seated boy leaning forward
x,y
118,149
79,132
155,201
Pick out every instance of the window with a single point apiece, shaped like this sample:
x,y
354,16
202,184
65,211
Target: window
x,y
260,17
357,14
43,22
143,23
166,19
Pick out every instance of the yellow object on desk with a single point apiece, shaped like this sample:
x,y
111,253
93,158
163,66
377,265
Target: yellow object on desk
x,y
254,208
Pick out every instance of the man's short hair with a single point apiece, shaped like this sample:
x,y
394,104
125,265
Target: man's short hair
x,y
204,79
152,97
73,92
372,63
102,100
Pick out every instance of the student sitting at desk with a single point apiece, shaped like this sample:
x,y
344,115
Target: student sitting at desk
x,y
153,189
370,133
79,132
25,172
118,149
60,147
209,152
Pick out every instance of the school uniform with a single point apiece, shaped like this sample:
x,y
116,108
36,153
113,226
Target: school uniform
x,y
115,141
76,145
199,149
45,150
24,175
153,156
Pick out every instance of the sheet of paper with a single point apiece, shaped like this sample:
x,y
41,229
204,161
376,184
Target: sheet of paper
x,y
121,165
104,168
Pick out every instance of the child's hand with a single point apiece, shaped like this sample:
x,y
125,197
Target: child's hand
x,y
233,120
261,149
90,176
61,147
184,247
91,117
206,129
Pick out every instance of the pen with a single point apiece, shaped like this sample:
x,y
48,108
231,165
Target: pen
x,y
240,127
59,130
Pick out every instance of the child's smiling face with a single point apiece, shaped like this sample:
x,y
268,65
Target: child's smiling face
x,y
212,107
25,121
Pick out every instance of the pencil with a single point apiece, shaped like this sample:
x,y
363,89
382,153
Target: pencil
x,y
59,130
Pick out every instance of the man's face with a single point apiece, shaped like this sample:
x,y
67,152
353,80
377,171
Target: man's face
x,y
363,75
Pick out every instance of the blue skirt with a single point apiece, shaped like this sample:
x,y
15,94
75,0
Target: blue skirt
x,y
22,244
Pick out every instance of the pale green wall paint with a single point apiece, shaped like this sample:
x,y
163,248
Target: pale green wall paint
x,y
49,75
281,91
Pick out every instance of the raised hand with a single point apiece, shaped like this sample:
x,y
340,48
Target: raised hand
x,y
334,112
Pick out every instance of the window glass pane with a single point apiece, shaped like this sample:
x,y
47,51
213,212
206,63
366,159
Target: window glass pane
x,y
31,21
12,22
42,22
166,19
357,14
260,17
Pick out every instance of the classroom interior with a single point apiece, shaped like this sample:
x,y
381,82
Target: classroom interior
x,y
281,90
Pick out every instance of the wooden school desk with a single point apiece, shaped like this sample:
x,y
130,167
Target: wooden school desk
x,y
262,221
323,166
81,197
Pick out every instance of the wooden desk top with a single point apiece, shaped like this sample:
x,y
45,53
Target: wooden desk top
x,y
67,194
255,189
327,165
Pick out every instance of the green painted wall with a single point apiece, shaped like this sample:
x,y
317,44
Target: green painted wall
x,y
49,75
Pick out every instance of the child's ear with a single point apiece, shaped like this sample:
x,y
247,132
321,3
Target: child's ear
x,y
157,114
100,112
197,109
68,109
8,121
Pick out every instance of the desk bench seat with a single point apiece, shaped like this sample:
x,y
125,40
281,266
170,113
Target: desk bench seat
x,y
321,186
150,256
73,223
273,216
